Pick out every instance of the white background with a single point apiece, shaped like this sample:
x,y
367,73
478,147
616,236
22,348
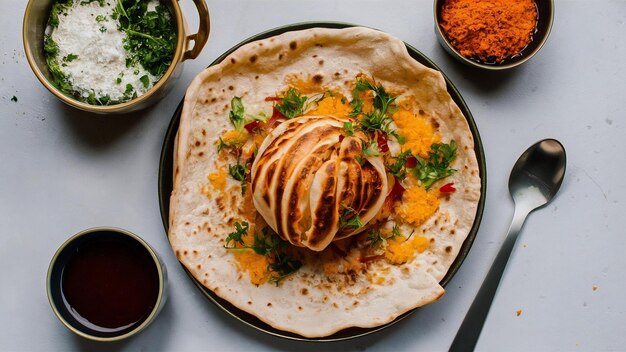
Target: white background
x,y
62,171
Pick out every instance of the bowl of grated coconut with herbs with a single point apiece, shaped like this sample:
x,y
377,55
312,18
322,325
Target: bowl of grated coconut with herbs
x,y
110,56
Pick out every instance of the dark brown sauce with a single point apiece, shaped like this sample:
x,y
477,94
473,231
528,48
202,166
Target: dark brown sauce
x,y
110,284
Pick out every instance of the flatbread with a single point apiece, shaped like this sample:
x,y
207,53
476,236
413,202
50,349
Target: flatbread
x,y
308,302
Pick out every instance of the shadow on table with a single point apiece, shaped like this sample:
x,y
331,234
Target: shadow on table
x,y
484,80
98,131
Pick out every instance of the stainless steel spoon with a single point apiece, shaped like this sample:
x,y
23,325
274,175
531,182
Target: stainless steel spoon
x,y
534,180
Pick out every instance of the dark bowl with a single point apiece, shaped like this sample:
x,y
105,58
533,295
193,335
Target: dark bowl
x,y
97,237
545,12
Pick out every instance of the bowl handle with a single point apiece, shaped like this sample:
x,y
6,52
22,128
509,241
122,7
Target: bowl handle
x,y
200,38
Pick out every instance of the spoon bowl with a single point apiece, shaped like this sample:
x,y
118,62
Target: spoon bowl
x,y
538,173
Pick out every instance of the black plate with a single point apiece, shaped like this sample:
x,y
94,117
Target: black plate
x,y
165,189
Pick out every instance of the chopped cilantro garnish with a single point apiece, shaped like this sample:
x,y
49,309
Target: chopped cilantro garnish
x,y
371,149
237,171
398,168
349,128
384,104
377,240
267,243
151,35
145,80
292,104
437,166
70,57
241,229
349,219
236,114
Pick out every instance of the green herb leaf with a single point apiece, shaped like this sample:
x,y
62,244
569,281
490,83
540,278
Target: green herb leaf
x,y
398,168
100,2
101,18
237,171
349,128
371,149
269,244
349,219
384,104
241,229
283,266
236,114
59,7
437,166
377,240
292,104
150,35
145,80
50,47
70,57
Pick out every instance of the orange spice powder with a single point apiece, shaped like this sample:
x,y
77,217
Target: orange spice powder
x,y
489,30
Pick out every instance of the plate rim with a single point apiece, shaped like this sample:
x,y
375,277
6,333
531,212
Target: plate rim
x,y
349,333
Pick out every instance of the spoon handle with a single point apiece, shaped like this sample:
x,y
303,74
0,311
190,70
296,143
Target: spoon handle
x,y
467,336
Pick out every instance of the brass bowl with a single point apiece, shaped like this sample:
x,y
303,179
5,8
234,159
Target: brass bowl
x,y
35,22
54,282
545,12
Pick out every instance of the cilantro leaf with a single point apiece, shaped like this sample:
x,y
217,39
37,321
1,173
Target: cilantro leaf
x,y
349,219
349,128
266,243
398,168
292,104
241,229
437,166
371,149
145,80
150,35
237,171
70,57
236,114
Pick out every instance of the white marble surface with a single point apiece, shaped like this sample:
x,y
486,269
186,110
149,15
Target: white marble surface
x,y
62,171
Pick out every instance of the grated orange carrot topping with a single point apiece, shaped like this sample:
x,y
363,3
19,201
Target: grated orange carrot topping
x,y
419,134
417,205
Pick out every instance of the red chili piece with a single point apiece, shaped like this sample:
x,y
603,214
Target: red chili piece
x,y
250,127
381,139
411,162
447,188
275,116
396,194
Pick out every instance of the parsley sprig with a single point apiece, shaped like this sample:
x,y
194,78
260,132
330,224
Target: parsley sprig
x,y
292,104
384,105
267,243
398,168
378,240
150,35
437,166
349,218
